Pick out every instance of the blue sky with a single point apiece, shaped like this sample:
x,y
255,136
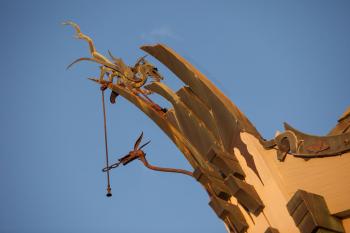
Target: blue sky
x,y
277,60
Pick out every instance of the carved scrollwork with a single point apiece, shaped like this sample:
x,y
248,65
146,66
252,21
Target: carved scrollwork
x,y
308,146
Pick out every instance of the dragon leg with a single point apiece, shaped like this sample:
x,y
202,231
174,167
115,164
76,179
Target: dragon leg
x,y
103,71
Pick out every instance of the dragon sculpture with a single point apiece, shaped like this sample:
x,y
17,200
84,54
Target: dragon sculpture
x,y
132,78
293,183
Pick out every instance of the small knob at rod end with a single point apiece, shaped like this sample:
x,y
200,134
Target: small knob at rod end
x,y
109,193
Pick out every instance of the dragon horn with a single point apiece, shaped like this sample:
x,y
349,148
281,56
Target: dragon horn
x,y
111,55
137,143
140,59
144,144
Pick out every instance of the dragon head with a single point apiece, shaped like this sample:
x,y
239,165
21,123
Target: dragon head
x,y
148,68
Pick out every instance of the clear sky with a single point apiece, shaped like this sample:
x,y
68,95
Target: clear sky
x,y
277,60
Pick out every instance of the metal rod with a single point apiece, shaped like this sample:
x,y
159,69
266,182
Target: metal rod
x,y
163,169
109,193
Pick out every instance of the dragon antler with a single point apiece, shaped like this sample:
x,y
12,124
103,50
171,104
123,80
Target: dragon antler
x,y
96,56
